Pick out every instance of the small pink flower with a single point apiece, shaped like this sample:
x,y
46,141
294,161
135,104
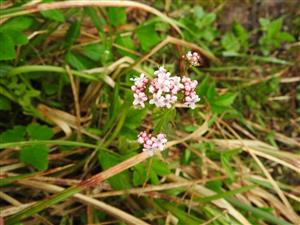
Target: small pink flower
x,y
194,58
150,143
139,99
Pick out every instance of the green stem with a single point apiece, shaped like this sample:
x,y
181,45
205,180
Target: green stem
x,y
50,142
118,127
47,68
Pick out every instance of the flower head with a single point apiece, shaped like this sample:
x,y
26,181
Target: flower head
x,y
194,58
152,143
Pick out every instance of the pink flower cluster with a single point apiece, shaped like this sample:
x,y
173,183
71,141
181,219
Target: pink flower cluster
x,y
151,143
164,89
139,90
190,96
194,58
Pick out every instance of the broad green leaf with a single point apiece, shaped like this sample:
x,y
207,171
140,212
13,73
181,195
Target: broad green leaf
x,y
94,51
53,14
13,135
242,35
225,100
147,36
39,132
230,42
35,155
18,23
285,36
18,37
203,86
274,27
198,12
127,43
5,104
160,167
264,23
107,160
7,47
75,61
206,20
117,16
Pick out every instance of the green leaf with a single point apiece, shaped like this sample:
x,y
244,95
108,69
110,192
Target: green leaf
x,y
7,47
18,37
94,51
53,14
230,42
162,120
274,27
184,217
160,167
264,23
117,16
242,35
72,33
75,61
203,86
19,23
285,36
96,20
107,160
153,168
35,155
225,100
5,104
198,12
13,135
39,132
125,42
206,20
147,36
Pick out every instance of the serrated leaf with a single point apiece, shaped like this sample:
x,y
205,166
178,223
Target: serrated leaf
x,y
147,36
39,132
5,104
162,120
13,135
7,47
107,160
117,16
35,155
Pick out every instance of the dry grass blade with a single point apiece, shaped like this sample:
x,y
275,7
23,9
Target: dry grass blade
x,y
113,211
221,203
71,4
176,41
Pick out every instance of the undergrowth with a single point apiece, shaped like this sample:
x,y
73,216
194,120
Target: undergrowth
x,y
68,143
